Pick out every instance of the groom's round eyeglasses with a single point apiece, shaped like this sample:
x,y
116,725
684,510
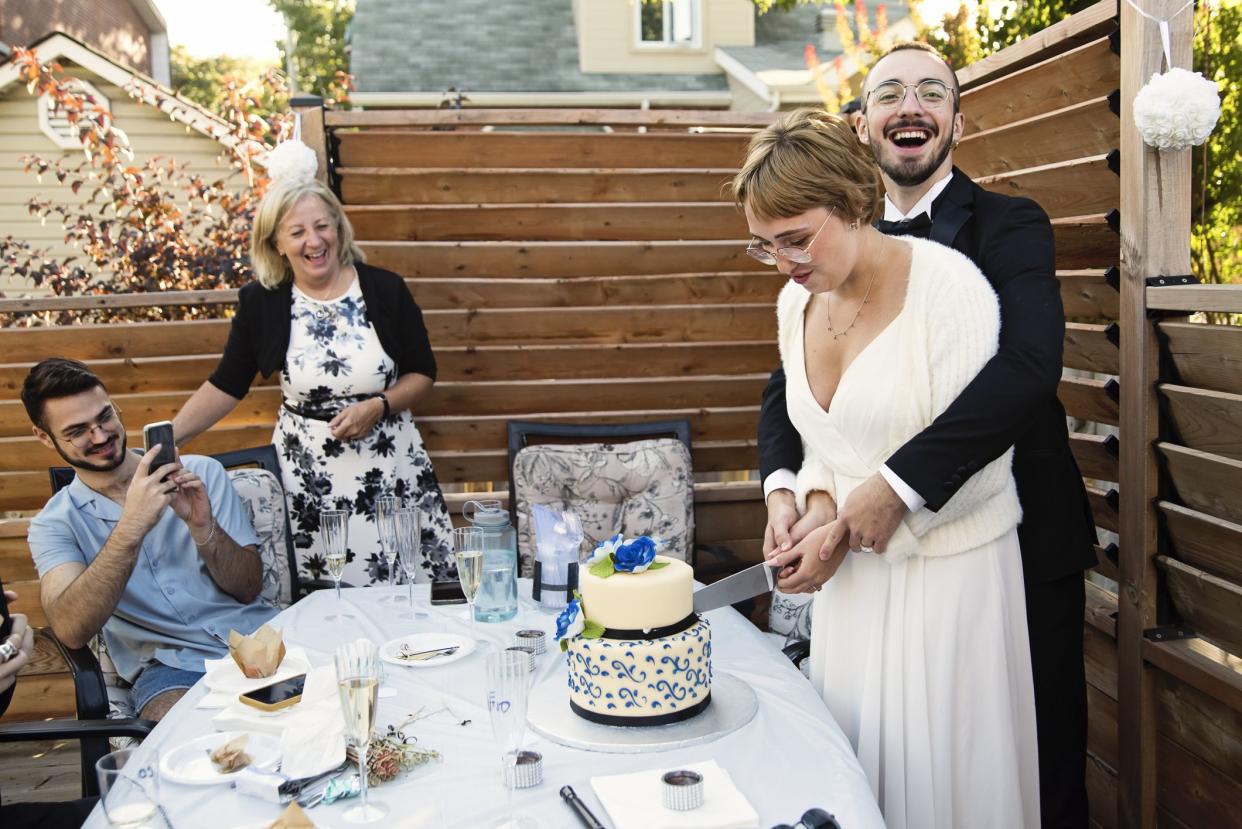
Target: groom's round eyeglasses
x,y
798,254
931,94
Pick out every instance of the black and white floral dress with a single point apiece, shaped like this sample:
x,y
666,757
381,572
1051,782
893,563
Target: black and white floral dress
x,y
334,359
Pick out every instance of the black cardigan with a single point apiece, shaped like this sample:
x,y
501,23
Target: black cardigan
x,y
259,336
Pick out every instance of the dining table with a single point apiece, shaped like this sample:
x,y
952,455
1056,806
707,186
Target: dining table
x,y
790,757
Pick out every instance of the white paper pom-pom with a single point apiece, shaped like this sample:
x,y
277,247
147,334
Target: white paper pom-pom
x,y
1176,110
291,162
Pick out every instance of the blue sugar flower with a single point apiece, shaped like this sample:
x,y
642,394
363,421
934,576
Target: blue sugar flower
x,y
571,622
635,556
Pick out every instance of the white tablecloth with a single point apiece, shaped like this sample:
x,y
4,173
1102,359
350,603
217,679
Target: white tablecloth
x,y
791,757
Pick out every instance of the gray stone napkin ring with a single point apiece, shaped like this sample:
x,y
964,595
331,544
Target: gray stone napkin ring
x,y
536,640
683,790
526,772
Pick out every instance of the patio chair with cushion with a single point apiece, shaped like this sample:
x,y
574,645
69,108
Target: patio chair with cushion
x,y
255,473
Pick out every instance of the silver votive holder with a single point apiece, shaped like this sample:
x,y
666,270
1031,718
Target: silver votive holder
x,y
683,790
536,640
526,650
526,772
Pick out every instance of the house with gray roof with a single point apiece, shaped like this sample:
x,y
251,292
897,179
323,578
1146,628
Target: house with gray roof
x,y
588,53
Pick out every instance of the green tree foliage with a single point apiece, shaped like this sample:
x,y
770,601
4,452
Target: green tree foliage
x,y
206,81
1216,208
320,45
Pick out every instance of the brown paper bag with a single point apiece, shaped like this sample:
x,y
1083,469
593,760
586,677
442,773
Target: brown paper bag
x,y
292,818
259,654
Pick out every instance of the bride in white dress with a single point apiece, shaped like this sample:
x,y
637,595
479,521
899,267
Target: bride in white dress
x,y
921,652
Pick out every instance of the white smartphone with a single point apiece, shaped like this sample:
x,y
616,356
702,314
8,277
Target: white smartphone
x,y
160,433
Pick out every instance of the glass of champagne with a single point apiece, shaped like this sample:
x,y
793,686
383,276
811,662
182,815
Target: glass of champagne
x,y
358,680
468,546
508,688
409,546
386,507
129,785
334,532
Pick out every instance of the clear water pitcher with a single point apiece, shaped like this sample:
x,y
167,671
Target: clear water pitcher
x,y
497,600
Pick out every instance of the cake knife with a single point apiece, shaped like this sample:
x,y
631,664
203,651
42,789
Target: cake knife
x,y
752,581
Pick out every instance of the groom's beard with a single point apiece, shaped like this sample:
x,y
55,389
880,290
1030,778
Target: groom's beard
x,y
911,172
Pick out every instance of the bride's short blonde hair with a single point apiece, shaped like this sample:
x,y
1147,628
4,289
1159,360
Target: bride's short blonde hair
x,y
272,269
809,159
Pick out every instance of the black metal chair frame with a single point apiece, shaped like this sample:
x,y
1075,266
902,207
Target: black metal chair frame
x,y
92,726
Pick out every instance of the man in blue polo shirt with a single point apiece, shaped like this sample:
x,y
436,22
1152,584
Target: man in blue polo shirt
x,y
162,560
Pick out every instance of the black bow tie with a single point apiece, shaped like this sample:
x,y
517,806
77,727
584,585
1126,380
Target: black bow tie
x,y
919,226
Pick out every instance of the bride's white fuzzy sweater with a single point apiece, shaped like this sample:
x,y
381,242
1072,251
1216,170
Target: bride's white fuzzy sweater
x,y
948,329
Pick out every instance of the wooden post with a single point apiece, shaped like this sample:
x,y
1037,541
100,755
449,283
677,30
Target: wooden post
x,y
310,107
1155,240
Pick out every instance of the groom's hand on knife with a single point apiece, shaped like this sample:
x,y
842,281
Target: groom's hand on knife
x,y
868,519
806,572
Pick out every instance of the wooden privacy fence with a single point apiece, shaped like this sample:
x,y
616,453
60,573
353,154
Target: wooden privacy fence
x,y
569,273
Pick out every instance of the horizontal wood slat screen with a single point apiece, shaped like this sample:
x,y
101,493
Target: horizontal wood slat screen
x,y
1205,420
1206,356
427,118
490,150
1203,481
1089,128
1089,71
398,185
1210,605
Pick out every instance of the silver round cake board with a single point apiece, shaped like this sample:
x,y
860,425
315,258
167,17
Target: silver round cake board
x,y
733,705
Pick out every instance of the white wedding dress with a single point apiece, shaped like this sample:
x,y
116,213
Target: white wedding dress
x,y
924,661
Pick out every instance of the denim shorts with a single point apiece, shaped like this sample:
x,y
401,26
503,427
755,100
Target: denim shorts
x,y
157,678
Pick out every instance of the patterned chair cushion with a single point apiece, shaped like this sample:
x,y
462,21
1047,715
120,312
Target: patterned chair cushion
x,y
645,487
790,615
263,498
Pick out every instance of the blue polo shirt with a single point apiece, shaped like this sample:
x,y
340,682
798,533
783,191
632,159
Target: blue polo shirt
x,y
171,611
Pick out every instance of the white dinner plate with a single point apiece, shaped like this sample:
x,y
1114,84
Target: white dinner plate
x,y
229,678
416,642
190,763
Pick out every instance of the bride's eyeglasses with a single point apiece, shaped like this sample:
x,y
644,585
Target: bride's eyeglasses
x,y
798,254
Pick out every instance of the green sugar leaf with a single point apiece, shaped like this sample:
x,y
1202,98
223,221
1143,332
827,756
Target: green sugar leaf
x,y
592,630
603,568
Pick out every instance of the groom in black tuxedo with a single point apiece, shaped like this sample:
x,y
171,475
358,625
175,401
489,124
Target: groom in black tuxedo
x,y
1012,402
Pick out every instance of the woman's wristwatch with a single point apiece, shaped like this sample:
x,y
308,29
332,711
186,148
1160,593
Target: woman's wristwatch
x,y
384,399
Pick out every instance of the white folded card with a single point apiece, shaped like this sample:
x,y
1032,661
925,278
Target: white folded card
x,y
636,801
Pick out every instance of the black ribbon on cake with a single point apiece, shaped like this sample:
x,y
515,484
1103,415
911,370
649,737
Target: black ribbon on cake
x,y
653,633
654,719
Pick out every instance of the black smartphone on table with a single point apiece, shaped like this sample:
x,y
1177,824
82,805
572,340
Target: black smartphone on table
x,y
160,433
276,696
447,592
6,621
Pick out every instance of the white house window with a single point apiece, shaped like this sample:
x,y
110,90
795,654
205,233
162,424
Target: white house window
x,y
669,22
53,121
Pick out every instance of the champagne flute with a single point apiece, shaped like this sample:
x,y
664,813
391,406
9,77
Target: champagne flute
x,y
386,507
508,689
334,533
409,545
468,546
357,678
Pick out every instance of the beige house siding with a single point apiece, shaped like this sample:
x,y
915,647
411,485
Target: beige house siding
x,y
607,41
151,133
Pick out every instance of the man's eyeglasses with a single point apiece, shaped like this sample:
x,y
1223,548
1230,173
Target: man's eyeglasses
x,y
794,253
80,436
931,94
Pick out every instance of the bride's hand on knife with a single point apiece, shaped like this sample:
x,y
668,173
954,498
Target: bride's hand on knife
x,y
785,529
806,571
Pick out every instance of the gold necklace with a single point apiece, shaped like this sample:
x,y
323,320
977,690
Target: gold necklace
x,y
828,309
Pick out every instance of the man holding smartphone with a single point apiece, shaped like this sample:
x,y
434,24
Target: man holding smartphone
x,y
162,560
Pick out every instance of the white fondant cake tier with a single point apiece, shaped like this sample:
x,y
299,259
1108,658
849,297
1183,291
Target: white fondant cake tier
x,y
639,601
640,682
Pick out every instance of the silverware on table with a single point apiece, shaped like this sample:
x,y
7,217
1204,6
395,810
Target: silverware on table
x,y
407,655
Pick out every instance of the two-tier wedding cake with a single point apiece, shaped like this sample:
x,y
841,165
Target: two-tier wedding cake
x,y
637,653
